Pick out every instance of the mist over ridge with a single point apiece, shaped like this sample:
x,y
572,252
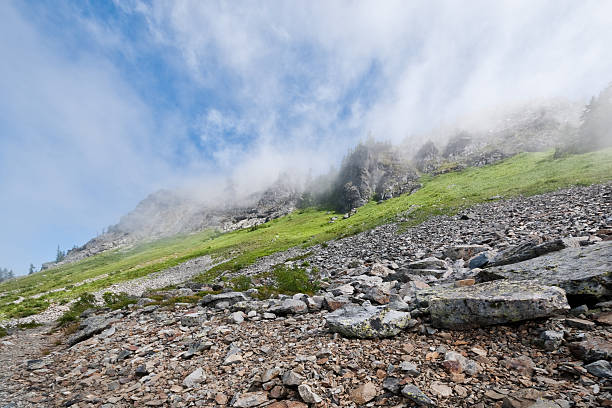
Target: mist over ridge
x,y
372,170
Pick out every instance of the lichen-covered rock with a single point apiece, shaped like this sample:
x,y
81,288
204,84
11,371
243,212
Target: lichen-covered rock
x,y
584,271
289,306
90,326
414,394
366,322
494,303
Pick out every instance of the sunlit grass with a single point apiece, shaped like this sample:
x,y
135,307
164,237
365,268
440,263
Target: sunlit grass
x,y
527,174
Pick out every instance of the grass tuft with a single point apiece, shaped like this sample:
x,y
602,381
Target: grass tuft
x,y
86,301
118,300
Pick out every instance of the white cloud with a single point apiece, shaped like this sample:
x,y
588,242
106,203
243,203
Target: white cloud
x,y
436,60
78,147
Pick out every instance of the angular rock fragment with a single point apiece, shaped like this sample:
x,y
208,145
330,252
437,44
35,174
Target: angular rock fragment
x,y
193,319
364,393
251,399
481,259
409,368
414,394
580,324
90,326
429,263
600,368
392,384
229,297
308,395
468,366
524,398
494,303
196,347
526,250
592,349
367,322
332,303
289,306
551,339
291,378
195,378
377,295
584,271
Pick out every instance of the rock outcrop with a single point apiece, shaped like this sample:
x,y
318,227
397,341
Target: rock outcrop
x,y
584,272
494,303
367,322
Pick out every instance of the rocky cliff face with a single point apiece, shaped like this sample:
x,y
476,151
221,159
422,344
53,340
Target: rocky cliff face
x,y
373,170
498,136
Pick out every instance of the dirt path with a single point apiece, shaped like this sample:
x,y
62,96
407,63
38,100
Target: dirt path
x,y
15,352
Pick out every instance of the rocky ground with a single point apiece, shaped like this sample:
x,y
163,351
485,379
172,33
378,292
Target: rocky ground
x,y
457,312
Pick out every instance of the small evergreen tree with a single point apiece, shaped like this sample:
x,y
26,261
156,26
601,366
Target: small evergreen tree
x,y
60,255
31,270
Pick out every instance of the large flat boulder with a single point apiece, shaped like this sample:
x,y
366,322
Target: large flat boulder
x,y
582,271
494,303
367,322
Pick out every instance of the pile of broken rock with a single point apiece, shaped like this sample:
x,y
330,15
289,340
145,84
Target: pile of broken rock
x,y
472,325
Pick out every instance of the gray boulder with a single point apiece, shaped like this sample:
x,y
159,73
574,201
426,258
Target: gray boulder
x,y
289,306
229,297
583,271
600,368
366,322
494,303
88,327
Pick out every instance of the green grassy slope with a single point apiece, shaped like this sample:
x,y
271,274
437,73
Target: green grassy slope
x,y
527,174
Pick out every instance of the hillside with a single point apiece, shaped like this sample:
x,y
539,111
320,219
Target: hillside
x,y
372,170
462,302
526,174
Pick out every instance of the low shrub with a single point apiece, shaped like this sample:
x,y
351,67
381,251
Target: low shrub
x,y
84,302
241,283
118,300
29,325
293,280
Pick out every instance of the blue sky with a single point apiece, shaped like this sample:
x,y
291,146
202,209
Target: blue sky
x,y
103,102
